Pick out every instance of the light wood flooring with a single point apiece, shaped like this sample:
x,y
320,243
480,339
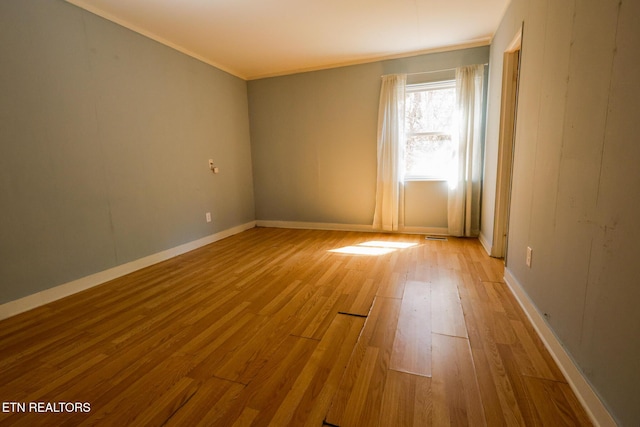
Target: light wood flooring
x,y
273,327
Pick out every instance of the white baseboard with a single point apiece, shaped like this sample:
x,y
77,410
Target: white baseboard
x,y
314,225
485,243
29,302
436,231
596,410
347,227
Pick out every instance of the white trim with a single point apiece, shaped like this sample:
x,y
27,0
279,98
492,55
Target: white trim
x,y
516,43
38,299
348,227
436,231
596,410
417,178
483,41
485,243
314,225
435,85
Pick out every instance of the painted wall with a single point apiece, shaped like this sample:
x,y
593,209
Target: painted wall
x,y
426,204
313,139
576,180
104,141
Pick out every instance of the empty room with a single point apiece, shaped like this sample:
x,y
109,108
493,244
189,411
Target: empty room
x,y
393,213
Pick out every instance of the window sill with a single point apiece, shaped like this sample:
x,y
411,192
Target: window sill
x,y
423,178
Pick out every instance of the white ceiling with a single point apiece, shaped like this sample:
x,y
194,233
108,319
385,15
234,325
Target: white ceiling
x,y
261,38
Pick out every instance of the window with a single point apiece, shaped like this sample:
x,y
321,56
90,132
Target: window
x,y
429,117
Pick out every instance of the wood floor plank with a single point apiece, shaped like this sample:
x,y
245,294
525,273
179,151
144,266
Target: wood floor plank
x,y
214,345
359,291
406,401
273,384
411,351
391,284
521,395
504,330
266,392
553,403
378,335
314,318
208,405
277,302
355,413
532,358
454,387
167,404
246,418
144,392
447,317
244,362
308,400
498,398
332,274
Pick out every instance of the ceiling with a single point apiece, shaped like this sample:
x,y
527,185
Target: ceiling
x,y
261,38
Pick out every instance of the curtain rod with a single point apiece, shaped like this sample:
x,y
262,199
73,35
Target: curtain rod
x,y
433,71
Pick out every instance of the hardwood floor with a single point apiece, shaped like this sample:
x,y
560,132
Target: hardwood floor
x,y
291,327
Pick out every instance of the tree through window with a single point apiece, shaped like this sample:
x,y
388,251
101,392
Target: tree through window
x,y
429,120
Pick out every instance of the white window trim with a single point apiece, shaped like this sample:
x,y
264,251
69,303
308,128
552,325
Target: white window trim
x,y
442,84
420,178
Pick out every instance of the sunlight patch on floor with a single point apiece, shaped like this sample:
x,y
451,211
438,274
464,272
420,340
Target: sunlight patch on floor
x,y
373,247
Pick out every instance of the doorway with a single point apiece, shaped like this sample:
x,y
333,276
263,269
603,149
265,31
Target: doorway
x,y
508,109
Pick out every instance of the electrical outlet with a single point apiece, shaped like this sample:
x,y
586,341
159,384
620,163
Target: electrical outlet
x,y
529,255
208,216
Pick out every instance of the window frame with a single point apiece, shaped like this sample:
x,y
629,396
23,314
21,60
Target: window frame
x,y
423,87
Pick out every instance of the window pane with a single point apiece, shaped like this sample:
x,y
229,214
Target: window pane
x,y
429,155
430,110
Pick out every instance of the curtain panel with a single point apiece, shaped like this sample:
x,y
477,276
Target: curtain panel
x,y
466,179
389,215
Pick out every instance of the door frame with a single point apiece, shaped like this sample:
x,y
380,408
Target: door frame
x,y
506,142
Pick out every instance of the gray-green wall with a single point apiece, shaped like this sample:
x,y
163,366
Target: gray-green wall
x,y
313,140
104,141
576,181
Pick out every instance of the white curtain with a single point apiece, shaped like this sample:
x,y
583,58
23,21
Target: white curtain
x,y
389,212
465,182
